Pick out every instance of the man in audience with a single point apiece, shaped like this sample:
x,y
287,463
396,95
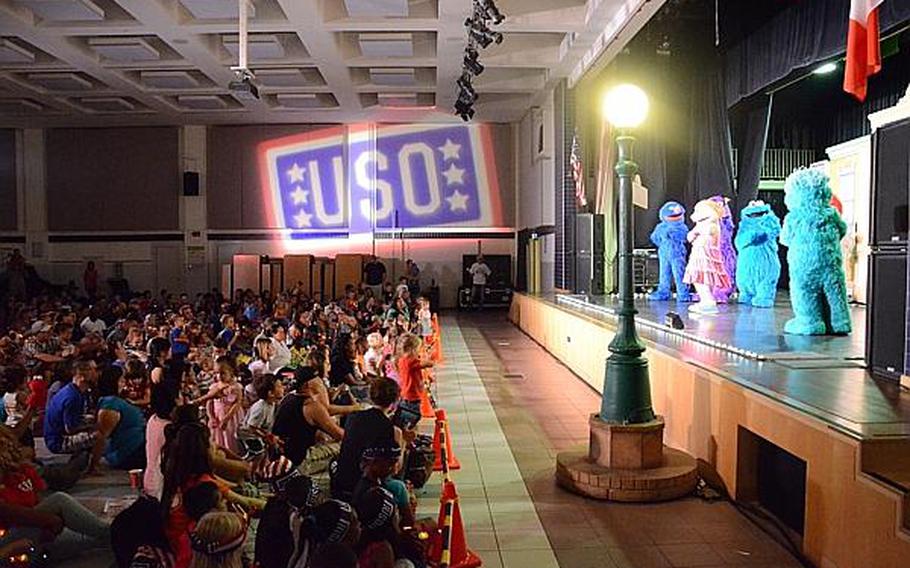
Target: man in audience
x,y
66,429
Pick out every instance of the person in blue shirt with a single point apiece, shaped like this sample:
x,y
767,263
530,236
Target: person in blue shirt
x,y
66,430
121,426
180,343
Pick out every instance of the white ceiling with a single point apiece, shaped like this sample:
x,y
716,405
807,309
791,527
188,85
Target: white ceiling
x,y
104,62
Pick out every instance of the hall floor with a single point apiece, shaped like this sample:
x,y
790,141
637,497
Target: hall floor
x,y
512,407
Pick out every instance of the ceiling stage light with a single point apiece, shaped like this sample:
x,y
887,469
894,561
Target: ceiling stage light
x,y
825,69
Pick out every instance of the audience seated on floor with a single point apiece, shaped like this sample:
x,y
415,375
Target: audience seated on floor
x,y
275,416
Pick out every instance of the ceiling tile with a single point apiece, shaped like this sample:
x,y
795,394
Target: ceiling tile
x,y
12,52
64,10
60,81
376,8
124,49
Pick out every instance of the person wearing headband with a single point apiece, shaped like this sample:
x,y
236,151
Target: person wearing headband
x,y
218,541
296,495
332,522
378,464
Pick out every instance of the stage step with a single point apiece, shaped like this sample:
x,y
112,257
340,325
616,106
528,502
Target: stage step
x,y
888,462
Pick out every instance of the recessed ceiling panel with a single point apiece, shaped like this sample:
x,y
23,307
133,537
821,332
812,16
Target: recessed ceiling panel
x,y
60,81
169,79
202,102
65,10
124,49
305,101
393,76
19,106
386,44
289,77
11,52
108,104
213,9
377,8
260,47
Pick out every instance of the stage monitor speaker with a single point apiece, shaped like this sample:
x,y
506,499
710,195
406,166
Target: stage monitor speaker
x,y
891,184
885,329
191,184
589,253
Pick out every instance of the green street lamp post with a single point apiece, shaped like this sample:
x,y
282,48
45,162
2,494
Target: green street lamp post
x,y
627,389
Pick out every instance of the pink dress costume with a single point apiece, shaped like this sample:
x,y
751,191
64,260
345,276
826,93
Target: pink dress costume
x,y
226,435
706,270
706,264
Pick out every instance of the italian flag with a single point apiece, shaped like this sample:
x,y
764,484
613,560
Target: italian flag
x,y
864,54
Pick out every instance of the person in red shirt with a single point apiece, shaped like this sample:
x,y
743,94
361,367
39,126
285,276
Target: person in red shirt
x,y
57,524
410,373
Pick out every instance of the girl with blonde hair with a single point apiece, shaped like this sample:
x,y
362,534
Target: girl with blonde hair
x,y
218,541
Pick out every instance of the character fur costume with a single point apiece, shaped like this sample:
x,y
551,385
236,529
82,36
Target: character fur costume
x,y
812,231
669,235
758,266
727,251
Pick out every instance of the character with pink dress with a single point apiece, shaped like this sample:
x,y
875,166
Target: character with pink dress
x,y
706,270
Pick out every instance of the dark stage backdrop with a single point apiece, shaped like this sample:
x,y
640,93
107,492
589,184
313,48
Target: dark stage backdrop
x,y
112,179
808,32
8,197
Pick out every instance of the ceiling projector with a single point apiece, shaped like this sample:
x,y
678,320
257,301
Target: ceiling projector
x,y
244,87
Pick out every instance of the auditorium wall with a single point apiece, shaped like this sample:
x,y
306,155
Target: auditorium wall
x,y
115,196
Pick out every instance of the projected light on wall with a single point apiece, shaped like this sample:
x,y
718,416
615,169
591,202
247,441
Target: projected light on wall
x,y
349,181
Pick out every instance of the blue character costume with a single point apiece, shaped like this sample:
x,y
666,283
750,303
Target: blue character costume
x,y
758,268
813,230
670,237
722,295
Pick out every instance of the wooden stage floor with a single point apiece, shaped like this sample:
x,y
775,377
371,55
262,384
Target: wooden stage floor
x,y
821,376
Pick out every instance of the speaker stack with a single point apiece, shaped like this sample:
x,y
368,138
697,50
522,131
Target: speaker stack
x,y
589,253
886,332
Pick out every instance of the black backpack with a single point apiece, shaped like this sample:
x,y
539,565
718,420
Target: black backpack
x,y
418,463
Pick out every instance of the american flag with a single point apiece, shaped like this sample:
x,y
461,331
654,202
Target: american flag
x,y
578,172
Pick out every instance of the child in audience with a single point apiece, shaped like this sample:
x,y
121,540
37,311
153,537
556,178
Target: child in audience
x,y
15,397
224,406
256,432
410,372
217,541
295,496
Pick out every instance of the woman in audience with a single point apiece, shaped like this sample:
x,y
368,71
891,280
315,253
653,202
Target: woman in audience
x,y
187,463
163,403
159,349
121,427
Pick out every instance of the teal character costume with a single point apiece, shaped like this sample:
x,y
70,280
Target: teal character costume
x,y
812,232
758,266
670,237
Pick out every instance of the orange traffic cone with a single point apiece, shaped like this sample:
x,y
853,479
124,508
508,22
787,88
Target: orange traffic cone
x,y
442,438
426,407
436,352
450,549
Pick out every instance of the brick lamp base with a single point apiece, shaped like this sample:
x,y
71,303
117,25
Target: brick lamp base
x,y
627,462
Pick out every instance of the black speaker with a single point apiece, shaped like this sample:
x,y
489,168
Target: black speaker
x,y
891,183
885,324
191,184
589,253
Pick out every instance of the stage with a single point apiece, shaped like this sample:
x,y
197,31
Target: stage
x,y
754,333
728,383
